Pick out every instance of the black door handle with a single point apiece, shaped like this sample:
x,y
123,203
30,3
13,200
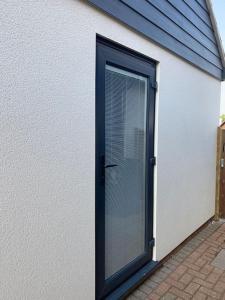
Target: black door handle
x,y
103,167
110,166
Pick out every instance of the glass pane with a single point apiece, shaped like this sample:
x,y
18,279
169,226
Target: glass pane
x,y
125,147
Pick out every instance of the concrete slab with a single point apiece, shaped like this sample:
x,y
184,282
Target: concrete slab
x,y
219,261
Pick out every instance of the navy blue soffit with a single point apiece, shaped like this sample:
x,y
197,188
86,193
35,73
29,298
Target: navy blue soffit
x,y
182,27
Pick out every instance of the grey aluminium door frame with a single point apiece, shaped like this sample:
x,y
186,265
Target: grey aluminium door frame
x,y
111,53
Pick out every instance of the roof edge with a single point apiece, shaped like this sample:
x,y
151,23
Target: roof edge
x,y
217,35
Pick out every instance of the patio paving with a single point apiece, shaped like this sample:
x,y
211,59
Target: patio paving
x,y
195,271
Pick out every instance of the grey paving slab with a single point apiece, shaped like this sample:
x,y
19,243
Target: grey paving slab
x,y
219,261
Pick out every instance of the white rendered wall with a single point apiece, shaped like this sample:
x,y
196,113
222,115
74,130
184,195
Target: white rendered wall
x,y
47,132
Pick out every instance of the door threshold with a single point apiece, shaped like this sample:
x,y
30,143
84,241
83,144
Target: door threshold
x,y
130,284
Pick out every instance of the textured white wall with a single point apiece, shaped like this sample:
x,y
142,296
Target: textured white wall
x,y
47,110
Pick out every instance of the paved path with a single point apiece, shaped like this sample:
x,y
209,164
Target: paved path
x,y
189,274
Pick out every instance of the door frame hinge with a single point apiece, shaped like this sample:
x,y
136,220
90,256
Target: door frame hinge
x,y
151,243
155,85
153,161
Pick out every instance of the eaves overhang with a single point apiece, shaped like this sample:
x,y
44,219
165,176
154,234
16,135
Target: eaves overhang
x,y
217,35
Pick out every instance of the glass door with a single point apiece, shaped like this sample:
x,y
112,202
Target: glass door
x,y
124,178
125,157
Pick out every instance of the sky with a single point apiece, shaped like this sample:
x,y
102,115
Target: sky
x,y
219,11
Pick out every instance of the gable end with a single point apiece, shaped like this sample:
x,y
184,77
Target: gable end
x,y
183,27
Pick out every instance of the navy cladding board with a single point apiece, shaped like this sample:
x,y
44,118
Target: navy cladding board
x,y
183,27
